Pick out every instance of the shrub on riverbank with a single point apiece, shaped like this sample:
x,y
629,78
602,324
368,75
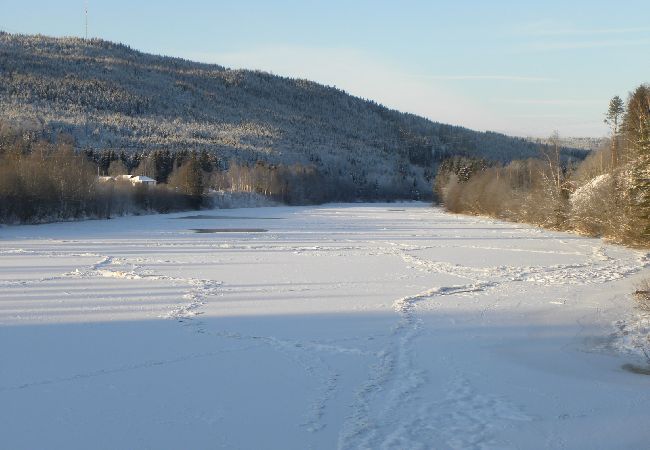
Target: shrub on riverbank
x,y
607,195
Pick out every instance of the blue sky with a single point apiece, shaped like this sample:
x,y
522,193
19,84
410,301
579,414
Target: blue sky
x,y
510,66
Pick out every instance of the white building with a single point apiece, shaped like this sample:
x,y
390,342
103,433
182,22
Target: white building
x,y
141,179
134,179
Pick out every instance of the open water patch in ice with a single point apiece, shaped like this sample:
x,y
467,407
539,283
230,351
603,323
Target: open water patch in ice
x,y
634,368
213,217
229,230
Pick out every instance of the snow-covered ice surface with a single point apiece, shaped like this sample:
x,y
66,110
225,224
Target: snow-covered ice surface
x,y
343,326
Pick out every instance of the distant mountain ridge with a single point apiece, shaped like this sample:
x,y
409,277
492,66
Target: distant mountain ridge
x,y
575,142
109,96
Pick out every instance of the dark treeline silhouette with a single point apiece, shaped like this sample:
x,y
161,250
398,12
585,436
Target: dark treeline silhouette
x,y
607,194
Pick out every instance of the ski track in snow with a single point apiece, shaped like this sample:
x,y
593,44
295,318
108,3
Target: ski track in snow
x,y
111,267
304,354
463,418
108,371
395,379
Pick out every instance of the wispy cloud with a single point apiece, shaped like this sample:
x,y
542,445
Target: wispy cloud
x,y
515,78
543,116
571,45
562,28
369,76
548,35
590,31
363,75
550,102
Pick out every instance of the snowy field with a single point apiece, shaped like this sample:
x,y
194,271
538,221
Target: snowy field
x,y
342,326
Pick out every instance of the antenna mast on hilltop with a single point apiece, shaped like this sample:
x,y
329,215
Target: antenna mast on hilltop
x,y
86,19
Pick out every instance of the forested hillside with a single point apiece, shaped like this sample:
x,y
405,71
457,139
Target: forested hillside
x,y
107,96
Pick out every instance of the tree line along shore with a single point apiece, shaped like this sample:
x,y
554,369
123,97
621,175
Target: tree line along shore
x,y
607,194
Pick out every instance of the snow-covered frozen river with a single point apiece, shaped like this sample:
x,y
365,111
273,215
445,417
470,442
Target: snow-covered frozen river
x,y
339,326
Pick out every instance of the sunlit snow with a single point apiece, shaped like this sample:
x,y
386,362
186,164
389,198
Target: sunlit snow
x,y
350,326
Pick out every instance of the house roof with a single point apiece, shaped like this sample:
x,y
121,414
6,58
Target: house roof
x,y
131,178
142,178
